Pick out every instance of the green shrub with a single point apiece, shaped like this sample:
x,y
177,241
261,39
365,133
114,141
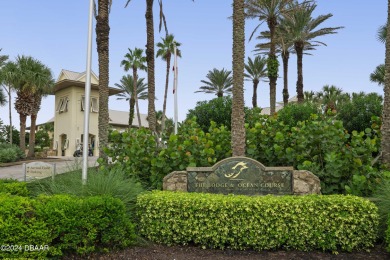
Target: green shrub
x,y
342,161
13,187
382,200
132,151
218,110
10,153
357,114
294,113
192,147
84,225
19,226
305,223
135,152
388,235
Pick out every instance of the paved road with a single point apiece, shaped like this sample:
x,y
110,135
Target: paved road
x,y
63,164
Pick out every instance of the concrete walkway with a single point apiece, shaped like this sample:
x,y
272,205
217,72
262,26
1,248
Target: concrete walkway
x,y
63,164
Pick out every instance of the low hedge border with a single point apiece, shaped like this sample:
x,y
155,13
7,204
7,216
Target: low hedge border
x,y
387,235
312,222
58,224
13,187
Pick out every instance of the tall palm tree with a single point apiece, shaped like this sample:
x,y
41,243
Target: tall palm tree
x,y
304,30
127,85
219,83
102,44
385,141
6,73
378,76
256,70
42,91
150,64
135,60
28,77
238,114
166,48
150,59
269,11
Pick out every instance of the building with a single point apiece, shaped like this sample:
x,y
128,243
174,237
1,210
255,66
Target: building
x,y
69,92
279,105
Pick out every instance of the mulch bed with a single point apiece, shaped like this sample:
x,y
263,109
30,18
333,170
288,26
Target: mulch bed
x,y
161,252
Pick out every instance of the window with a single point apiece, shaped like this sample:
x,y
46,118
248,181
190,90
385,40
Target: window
x,y
82,103
94,105
60,103
63,105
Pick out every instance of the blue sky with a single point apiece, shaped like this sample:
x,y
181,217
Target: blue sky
x,y
55,32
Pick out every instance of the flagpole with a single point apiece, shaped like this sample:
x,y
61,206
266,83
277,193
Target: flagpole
x,y
87,95
175,87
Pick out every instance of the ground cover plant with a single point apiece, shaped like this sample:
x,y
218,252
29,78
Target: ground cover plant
x,y
328,223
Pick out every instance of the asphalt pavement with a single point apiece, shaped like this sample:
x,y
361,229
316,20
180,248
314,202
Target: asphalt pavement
x,y
62,164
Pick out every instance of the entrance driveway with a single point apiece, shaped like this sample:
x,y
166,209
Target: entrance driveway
x,y
63,164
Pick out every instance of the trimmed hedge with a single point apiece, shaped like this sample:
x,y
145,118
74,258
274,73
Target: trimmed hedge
x,y
333,222
62,223
387,235
14,187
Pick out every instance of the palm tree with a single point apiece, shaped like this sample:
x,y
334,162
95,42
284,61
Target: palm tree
x,y
135,60
150,59
127,85
378,76
6,73
311,97
331,97
385,141
304,30
219,83
166,48
29,77
3,100
269,11
256,70
42,91
102,43
150,64
382,33
238,114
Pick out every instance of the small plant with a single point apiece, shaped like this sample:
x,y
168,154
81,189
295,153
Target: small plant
x,y
111,182
10,153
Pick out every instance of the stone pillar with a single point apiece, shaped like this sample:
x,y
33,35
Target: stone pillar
x,y
175,181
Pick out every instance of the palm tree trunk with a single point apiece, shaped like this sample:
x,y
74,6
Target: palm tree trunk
x,y
272,77
285,57
102,42
31,144
131,112
254,97
135,95
9,114
150,62
165,94
299,51
385,142
22,135
238,128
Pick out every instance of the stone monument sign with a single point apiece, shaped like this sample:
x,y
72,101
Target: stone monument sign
x,y
240,175
38,170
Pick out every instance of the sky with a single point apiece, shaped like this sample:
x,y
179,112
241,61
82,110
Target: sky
x,y
55,32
